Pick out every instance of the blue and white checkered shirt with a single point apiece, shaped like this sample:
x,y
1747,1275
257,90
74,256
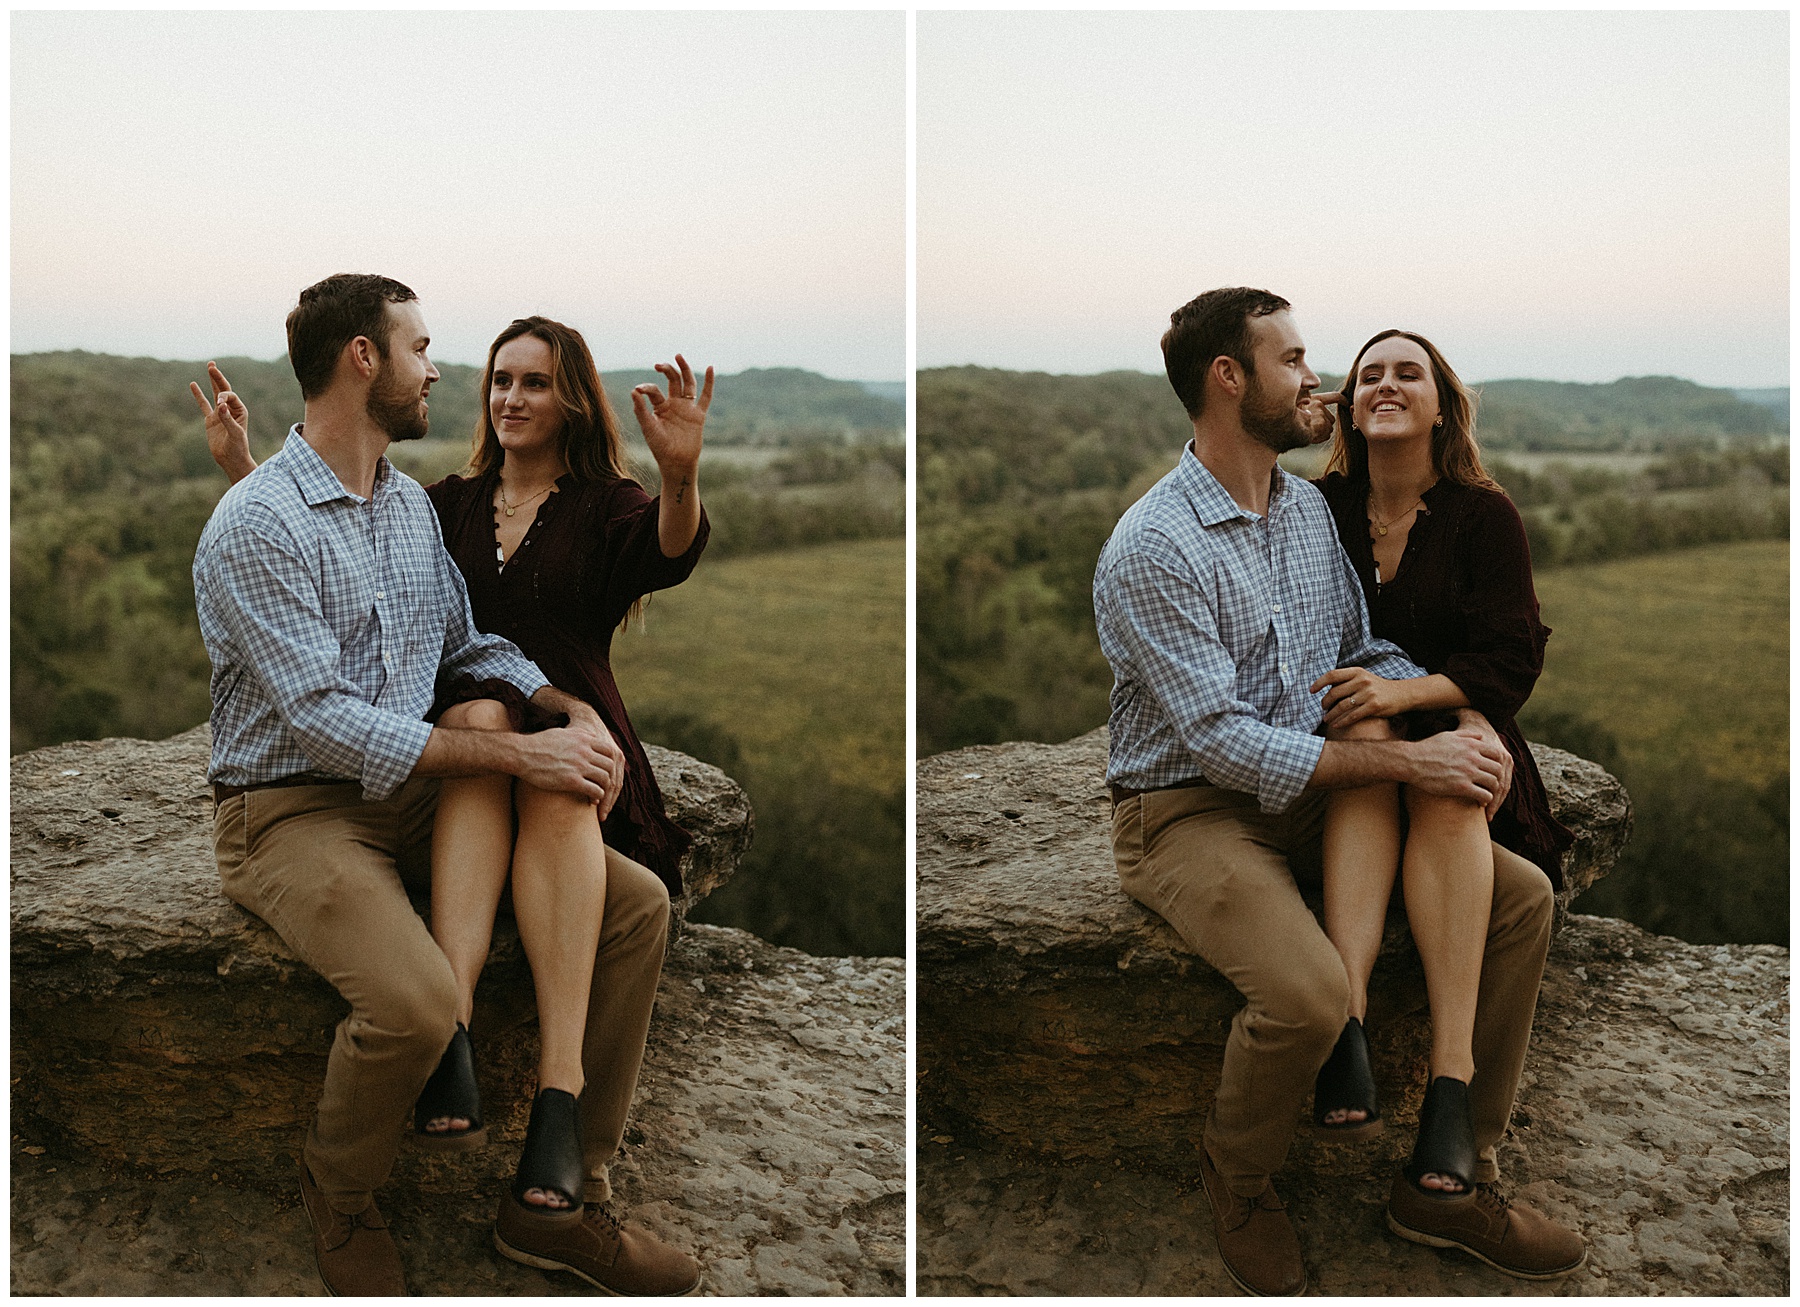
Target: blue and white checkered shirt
x,y
1216,622
329,620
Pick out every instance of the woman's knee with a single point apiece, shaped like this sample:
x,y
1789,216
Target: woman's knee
x,y
477,715
1369,728
553,810
1441,813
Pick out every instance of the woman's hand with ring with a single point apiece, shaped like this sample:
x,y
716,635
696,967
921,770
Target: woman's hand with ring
x,y
1354,694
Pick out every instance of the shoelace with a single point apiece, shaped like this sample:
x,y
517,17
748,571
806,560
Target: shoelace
x,y
1497,1198
605,1212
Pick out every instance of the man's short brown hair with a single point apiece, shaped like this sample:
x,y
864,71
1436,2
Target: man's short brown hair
x,y
330,315
1207,326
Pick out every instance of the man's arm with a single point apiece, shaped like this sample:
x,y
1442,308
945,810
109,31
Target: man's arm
x,y
1461,764
566,759
582,717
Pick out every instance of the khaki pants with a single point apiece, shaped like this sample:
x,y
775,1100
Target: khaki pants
x,y
1223,873
328,871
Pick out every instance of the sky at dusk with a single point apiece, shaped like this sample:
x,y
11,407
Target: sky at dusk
x,y
1571,196
731,185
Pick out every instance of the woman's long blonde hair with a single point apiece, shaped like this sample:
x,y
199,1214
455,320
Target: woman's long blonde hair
x,y
1454,454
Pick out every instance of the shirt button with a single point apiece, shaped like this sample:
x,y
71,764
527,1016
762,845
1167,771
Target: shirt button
x,y
1277,606
382,594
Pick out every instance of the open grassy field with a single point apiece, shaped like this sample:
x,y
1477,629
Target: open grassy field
x,y
798,654
1678,655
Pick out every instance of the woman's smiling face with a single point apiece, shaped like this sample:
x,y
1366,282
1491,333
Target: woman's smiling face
x,y
1396,393
522,398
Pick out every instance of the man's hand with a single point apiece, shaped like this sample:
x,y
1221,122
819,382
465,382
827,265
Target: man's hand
x,y
1353,694
227,425
1460,765
1318,414
1470,720
572,761
583,720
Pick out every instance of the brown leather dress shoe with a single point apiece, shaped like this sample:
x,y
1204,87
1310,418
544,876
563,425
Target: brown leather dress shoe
x,y
1256,1239
1508,1236
355,1254
592,1243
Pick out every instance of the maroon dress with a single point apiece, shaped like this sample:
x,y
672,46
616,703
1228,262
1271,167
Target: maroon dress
x,y
1461,605
591,552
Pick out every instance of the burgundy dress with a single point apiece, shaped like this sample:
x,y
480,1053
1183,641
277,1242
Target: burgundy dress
x,y
591,552
1461,605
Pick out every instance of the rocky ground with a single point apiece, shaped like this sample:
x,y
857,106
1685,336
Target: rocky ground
x,y
1653,1117
768,1139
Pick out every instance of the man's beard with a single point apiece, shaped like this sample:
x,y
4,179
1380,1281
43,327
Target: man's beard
x,y
395,409
1271,422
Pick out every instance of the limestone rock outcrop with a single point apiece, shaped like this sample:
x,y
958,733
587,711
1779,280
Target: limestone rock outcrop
x,y
1057,1013
167,1050
1652,1117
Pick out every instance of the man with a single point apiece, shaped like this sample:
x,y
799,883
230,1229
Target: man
x,y
330,611
1220,599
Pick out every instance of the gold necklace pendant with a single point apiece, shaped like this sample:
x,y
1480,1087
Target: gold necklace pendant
x,y
1381,530
511,511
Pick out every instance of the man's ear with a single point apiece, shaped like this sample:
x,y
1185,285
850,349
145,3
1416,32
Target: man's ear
x,y
1228,375
363,357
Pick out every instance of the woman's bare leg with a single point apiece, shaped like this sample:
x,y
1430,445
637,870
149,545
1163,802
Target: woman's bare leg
x,y
1448,883
471,849
1361,855
559,899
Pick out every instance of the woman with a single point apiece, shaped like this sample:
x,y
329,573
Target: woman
x,y
1442,557
558,548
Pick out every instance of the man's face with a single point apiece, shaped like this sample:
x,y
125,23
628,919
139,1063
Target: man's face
x,y
397,393
1270,411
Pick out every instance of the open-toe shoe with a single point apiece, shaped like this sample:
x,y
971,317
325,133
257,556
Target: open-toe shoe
x,y
1446,1144
551,1159
451,1093
1346,1083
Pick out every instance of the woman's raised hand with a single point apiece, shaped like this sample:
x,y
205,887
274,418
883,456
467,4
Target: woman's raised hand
x,y
673,424
227,425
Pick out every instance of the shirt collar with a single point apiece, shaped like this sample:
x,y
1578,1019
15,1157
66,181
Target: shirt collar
x,y
317,483
1212,503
